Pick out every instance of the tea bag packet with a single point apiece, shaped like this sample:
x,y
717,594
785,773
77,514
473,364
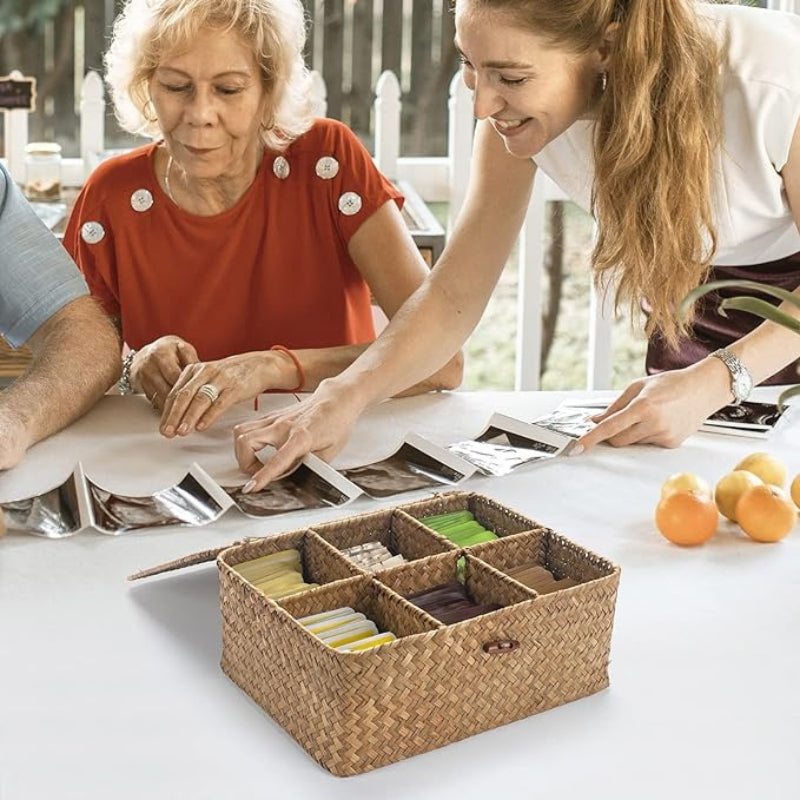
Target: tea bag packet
x,y
369,643
348,634
373,556
277,575
325,615
343,628
450,603
460,527
321,627
540,579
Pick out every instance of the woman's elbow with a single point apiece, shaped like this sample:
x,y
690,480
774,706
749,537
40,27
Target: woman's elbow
x,y
451,374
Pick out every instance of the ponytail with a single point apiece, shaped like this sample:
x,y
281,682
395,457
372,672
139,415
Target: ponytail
x,y
656,137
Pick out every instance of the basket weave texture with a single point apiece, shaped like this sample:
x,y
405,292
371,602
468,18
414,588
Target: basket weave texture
x,y
436,683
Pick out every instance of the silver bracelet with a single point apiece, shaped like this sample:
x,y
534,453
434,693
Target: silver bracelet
x,y
124,383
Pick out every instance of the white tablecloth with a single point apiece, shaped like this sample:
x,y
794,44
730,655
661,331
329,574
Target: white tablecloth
x,y
113,690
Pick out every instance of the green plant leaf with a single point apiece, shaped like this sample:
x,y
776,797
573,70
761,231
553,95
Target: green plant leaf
x,y
755,286
761,308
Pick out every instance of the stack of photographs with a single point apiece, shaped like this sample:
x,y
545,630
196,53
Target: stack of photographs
x,y
79,503
504,445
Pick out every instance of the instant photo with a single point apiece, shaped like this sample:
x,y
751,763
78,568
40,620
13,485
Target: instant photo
x,y
312,485
53,514
746,419
568,421
186,503
417,464
508,443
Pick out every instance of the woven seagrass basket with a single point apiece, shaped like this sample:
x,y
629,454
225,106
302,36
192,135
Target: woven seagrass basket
x,y
436,683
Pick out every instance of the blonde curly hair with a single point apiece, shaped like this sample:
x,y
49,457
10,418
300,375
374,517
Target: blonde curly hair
x,y
657,131
148,29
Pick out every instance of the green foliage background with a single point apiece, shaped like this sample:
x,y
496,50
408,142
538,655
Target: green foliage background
x,y
18,16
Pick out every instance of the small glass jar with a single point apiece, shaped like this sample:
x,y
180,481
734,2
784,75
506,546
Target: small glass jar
x,y
43,171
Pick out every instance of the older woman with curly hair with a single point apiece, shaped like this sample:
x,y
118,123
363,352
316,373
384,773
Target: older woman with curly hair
x,y
238,252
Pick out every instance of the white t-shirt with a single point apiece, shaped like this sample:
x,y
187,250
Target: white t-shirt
x,y
761,109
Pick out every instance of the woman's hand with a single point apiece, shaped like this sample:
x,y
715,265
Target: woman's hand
x,y
157,366
663,409
231,380
319,424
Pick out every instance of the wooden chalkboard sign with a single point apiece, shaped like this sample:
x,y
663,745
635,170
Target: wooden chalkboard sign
x,y
16,93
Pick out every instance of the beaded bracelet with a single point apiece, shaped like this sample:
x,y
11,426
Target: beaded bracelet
x,y
301,375
124,382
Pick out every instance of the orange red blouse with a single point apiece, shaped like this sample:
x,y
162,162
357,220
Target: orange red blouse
x,y
273,269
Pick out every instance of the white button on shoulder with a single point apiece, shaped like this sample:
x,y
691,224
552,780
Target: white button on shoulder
x,y
141,200
350,203
92,232
281,168
327,167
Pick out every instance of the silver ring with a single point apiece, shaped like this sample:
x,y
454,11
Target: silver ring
x,y
210,391
154,401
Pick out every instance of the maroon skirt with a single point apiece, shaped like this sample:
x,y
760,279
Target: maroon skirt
x,y
711,330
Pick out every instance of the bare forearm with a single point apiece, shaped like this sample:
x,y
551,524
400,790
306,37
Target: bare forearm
x,y
76,359
770,347
436,320
322,363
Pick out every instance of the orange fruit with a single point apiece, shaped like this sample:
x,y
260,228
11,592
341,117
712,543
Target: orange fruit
x,y
730,488
769,468
766,513
685,482
795,490
687,518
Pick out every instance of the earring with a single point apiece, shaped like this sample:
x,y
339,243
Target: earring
x,y
149,111
603,81
270,123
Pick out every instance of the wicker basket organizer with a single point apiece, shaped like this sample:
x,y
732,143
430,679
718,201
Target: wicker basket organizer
x,y
436,683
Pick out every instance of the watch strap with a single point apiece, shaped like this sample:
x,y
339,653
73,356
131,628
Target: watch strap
x,y
741,379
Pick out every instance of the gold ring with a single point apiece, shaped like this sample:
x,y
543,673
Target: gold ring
x,y
154,401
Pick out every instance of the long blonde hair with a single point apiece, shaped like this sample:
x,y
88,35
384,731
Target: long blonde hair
x,y
275,29
657,131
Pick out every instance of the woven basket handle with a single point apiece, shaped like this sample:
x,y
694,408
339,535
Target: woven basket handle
x,y
500,646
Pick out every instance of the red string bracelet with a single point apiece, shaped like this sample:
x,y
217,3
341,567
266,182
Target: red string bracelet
x,y
301,375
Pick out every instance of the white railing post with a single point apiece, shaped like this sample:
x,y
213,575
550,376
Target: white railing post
x,y
16,136
387,124
784,5
93,111
529,292
600,363
319,95
460,133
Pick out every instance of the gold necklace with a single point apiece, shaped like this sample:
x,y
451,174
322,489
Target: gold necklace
x,y
167,187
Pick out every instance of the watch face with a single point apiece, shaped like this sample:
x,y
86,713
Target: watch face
x,y
742,385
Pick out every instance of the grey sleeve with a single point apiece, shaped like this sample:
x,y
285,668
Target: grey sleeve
x,y
37,276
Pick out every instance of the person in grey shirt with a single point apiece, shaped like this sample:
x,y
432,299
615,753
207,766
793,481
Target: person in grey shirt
x,y
44,304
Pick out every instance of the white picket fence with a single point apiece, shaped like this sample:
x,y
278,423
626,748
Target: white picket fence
x,y
442,179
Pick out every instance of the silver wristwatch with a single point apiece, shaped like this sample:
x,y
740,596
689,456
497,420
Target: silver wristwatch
x,y
741,379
